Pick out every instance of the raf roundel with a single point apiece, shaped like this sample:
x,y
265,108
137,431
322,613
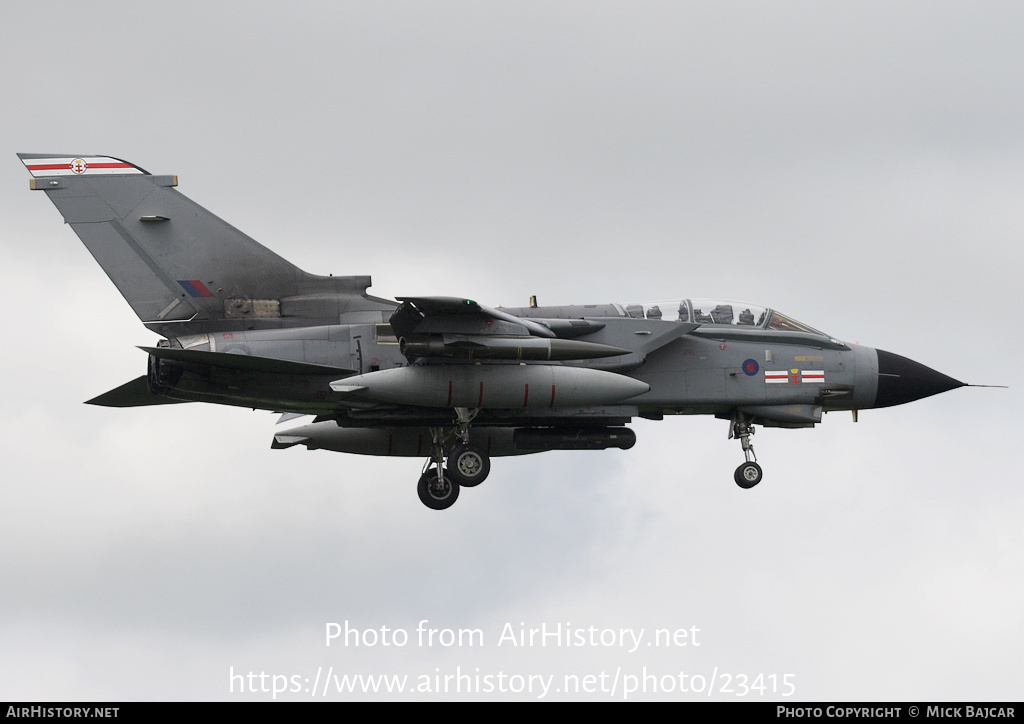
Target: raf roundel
x,y
750,367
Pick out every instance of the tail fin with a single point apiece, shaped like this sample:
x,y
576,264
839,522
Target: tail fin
x,y
182,269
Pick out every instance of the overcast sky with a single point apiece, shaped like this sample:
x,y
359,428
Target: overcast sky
x,y
857,165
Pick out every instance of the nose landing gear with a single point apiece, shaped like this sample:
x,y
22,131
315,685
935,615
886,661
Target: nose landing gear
x,y
749,473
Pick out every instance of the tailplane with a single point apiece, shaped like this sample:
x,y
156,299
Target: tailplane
x,y
182,269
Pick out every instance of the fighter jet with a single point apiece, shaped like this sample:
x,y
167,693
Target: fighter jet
x,y
444,378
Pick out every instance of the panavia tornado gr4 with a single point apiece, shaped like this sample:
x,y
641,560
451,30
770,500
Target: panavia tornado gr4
x,y
444,378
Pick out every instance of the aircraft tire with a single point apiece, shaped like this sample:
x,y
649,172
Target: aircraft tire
x,y
433,498
468,465
747,475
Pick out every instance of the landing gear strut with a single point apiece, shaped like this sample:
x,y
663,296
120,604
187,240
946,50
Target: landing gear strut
x,y
467,466
749,473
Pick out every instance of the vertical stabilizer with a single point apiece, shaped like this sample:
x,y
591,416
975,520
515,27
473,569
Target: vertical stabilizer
x,y
182,269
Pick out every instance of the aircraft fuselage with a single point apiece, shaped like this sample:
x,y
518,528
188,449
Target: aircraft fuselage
x,y
444,377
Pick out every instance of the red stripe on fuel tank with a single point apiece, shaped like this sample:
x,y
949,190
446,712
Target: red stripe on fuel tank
x,y
449,403
480,397
526,393
552,396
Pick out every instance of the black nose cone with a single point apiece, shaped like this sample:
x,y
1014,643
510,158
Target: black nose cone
x,y
904,380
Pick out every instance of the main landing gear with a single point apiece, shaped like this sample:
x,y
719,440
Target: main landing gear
x,y
749,473
467,465
436,489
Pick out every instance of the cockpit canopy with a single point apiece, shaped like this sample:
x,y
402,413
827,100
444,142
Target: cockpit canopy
x,y
717,312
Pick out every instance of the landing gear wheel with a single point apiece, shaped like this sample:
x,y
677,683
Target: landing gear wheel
x,y
748,475
435,494
468,465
